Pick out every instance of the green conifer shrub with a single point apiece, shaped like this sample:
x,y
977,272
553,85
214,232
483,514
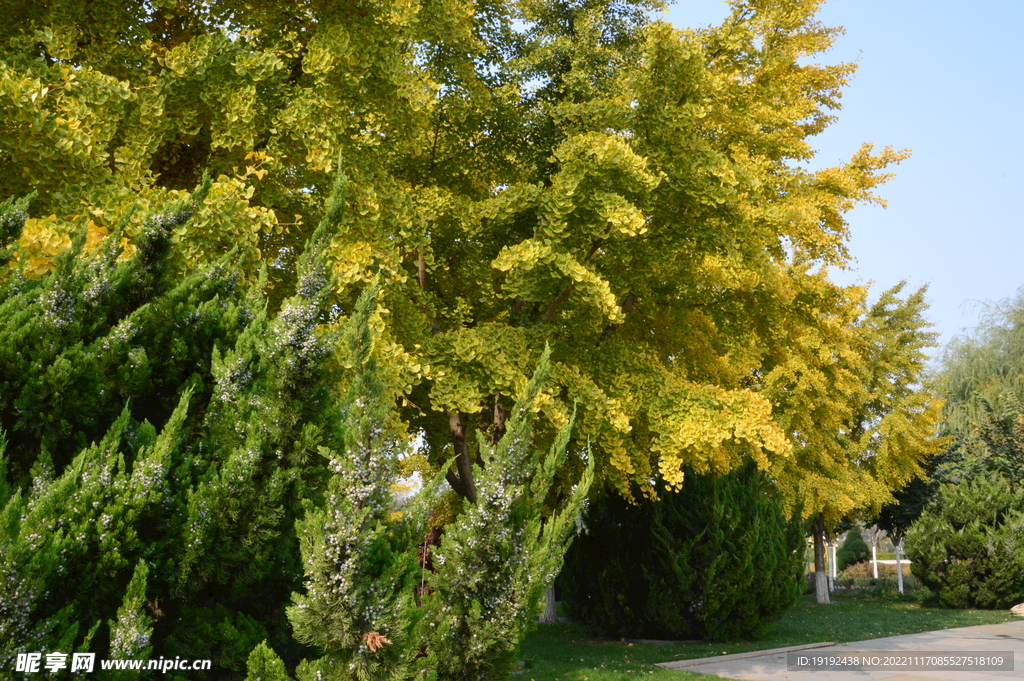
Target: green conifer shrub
x,y
370,607
717,560
358,609
498,557
159,438
968,547
853,550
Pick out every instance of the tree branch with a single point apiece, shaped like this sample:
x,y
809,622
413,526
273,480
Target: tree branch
x,y
565,292
626,306
498,422
559,299
421,277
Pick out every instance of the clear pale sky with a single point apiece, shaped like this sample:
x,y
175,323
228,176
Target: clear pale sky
x,y
945,80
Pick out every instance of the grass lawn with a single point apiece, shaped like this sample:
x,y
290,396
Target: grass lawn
x,y
567,653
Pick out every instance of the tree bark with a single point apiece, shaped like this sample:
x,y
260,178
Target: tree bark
x,y
831,567
550,616
553,308
820,578
463,483
899,565
498,421
462,479
517,307
421,277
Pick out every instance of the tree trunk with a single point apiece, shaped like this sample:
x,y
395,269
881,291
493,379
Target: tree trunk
x,y
899,565
820,579
831,567
463,483
874,559
498,421
550,615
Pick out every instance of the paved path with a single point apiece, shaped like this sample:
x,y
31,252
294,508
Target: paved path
x,y
771,665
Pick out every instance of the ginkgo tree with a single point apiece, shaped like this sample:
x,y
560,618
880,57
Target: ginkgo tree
x,y
848,383
576,174
654,216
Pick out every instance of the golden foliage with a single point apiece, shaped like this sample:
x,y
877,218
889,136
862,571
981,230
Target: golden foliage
x,y
626,192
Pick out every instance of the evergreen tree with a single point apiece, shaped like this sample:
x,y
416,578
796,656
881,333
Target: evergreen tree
x,y
492,566
163,439
718,560
499,556
131,632
265,665
360,563
853,550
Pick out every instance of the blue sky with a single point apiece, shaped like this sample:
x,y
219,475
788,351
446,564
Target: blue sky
x,y
945,80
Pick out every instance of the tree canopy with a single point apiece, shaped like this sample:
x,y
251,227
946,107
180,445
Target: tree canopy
x,y
572,174
853,396
980,379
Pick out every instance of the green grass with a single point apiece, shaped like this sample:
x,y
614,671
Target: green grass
x,y
567,653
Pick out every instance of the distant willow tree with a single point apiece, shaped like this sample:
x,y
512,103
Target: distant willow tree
x,y
956,512
982,376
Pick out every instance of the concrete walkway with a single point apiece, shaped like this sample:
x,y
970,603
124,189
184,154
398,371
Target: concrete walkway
x,y
770,665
